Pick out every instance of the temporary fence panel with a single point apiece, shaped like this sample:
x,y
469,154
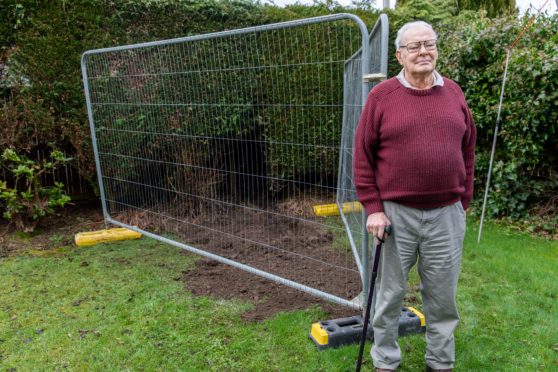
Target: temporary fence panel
x,y
220,144
351,211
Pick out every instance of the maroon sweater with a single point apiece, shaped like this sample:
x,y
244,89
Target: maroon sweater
x,y
414,147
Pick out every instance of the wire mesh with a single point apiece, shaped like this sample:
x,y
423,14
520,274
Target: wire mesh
x,y
224,142
355,218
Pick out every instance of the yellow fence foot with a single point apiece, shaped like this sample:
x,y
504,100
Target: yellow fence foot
x,y
105,236
327,210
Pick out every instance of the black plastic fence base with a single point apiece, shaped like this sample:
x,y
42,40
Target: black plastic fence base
x,y
345,331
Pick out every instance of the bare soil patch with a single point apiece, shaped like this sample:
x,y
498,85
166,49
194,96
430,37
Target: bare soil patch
x,y
309,257
213,279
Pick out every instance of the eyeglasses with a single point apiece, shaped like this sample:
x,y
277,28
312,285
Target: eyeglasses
x,y
415,46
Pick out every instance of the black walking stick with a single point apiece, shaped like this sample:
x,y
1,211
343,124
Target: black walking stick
x,y
370,294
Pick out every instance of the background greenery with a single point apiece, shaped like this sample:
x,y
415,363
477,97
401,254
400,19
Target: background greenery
x,y
42,102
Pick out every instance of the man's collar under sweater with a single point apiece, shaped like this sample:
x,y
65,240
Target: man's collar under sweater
x,y
438,80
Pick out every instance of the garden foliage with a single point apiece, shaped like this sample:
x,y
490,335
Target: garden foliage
x,y
43,102
493,8
525,171
24,199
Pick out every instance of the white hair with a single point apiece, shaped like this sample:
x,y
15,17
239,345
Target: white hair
x,y
408,26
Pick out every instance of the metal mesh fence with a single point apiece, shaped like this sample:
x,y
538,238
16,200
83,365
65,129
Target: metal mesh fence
x,y
222,143
351,211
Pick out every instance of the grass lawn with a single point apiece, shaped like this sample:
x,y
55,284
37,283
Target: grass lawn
x,y
123,306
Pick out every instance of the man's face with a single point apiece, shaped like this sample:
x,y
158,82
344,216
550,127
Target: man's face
x,y
421,62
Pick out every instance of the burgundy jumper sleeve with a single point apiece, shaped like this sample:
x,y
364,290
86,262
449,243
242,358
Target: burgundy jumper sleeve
x,y
468,149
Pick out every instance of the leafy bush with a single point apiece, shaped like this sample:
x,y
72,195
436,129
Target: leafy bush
x,y
26,200
526,160
494,8
42,44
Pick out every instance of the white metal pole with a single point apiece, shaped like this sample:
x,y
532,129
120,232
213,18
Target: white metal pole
x,y
496,129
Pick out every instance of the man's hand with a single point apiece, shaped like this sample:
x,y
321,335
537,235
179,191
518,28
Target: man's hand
x,y
376,224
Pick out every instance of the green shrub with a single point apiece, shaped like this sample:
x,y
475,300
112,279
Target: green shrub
x,y
493,8
24,200
43,43
526,158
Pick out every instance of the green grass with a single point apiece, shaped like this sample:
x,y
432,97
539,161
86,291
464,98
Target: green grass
x,y
123,306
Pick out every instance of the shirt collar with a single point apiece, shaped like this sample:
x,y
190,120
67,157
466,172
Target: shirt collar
x,y
438,80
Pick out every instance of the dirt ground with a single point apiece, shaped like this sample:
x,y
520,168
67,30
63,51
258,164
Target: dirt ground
x,y
54,232
209,278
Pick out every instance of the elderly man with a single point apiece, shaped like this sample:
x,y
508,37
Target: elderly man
x,y
413,169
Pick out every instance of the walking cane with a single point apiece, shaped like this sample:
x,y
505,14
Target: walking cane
x,y
370,294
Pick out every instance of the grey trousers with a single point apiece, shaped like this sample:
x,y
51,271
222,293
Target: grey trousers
x,y
434,237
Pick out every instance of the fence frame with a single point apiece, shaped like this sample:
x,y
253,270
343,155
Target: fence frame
x,y
363,259
382,22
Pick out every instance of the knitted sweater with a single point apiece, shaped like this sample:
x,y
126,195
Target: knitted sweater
x,y
414,147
